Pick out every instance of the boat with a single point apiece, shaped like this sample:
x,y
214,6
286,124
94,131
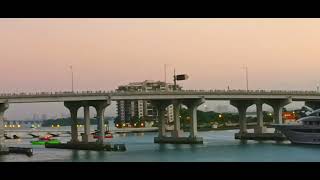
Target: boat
x,y
108,134
45,140
54,135
42,142
7,137
33,136
305,131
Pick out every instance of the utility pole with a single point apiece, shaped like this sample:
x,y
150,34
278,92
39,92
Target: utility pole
x,y
165,77
71,78
165,73
174,79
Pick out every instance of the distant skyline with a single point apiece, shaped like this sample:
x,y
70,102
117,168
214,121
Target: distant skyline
x,y
36,55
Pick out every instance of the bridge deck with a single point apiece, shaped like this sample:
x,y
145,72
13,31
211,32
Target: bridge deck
x,y
181,94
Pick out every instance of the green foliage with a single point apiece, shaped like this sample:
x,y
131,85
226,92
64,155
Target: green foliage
x,y
67,121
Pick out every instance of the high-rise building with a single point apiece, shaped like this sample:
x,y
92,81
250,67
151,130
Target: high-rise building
x,y
129,109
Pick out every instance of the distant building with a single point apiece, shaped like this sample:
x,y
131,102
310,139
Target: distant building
x,y
129,109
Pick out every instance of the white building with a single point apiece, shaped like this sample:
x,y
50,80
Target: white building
x,y
128,109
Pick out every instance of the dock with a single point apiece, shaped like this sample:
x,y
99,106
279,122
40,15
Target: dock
x,y
261,136
179,140
16,150
88,146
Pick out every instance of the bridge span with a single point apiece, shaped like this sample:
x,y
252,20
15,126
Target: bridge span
x,y
240,99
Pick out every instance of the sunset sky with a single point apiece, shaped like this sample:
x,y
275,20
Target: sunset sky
x,y
35,54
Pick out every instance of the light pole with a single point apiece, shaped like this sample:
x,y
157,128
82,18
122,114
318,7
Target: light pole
x,y
71,77
165,77
247,81
174,79
165,73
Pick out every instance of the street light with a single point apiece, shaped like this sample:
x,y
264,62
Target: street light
x,y
246,69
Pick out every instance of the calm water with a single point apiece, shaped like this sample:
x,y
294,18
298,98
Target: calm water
x,y
219,146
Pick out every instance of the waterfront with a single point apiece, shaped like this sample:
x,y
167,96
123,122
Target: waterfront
x,y
219,146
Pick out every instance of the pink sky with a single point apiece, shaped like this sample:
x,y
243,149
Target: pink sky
x,y
35,54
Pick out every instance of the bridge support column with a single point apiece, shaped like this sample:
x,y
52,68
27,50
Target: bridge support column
x,y
260,127
277,106
86,137
3,108
176,134
242,106
161,106
100,107
193,106
177,129
73,108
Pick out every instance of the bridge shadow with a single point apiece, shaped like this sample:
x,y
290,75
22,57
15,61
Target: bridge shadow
x,y
179,147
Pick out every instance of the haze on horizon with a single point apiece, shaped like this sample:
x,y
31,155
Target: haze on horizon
x,y
35,55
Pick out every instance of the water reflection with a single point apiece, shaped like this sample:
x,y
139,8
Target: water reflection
x,y
139,134
194,147
75,155
122,134
178,147
243,141
218,146
101,155
87,155
163,147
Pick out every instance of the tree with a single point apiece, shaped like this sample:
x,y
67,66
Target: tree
x,y
135,119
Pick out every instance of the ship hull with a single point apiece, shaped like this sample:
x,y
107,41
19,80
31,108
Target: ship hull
x,y
300,134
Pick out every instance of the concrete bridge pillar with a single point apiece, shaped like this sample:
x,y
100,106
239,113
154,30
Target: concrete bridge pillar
x,y
3,108
242,106
177,130
100,107
86,137
73,108
259,128
176,134
193,106
277,106
161,106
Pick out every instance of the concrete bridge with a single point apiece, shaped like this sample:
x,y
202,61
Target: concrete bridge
x,y
241,99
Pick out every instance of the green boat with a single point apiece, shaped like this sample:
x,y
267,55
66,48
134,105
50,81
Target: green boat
x,y
41,142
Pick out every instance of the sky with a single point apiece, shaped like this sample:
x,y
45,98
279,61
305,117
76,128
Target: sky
x,y
36,54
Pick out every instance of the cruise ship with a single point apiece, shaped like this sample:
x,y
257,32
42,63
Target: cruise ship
x,y
306,131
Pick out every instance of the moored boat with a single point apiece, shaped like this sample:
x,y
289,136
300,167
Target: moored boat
x,y
306,131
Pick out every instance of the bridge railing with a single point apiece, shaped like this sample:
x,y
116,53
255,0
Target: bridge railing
x,y
189,91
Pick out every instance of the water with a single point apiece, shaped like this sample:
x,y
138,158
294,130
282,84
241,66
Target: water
x,y
219,146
